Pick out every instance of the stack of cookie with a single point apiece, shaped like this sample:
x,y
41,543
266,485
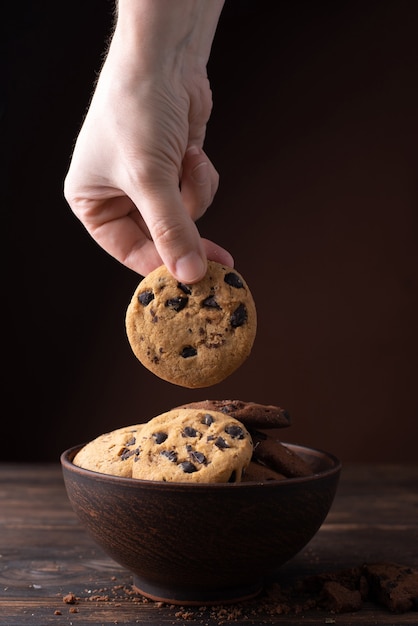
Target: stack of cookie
x,y
199,442
195,336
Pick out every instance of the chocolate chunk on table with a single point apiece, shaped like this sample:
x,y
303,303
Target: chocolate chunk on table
x,y
337,598
393,585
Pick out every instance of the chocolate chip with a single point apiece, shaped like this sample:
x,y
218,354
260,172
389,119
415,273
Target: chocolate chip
x,y
239,316
177,304
235,431
207,419
159,437
221,443
146,297
197,456
185,289
170,454
189,431
188,351
210,303
131,442
229,408
126,454
233,280
188,467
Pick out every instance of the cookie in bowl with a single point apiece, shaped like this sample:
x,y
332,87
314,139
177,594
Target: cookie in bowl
x,y
193,445
251,414
111,452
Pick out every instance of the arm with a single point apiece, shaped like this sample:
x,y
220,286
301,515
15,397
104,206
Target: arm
x,y
139,178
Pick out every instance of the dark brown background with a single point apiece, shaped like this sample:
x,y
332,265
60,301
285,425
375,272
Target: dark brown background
x,y
314,133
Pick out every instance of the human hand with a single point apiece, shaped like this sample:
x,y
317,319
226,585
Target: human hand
x,y
139,177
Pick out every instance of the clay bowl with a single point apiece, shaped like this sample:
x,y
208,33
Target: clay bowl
x,y
202,543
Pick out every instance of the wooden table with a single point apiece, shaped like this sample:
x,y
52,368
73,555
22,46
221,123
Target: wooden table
x,y
45,555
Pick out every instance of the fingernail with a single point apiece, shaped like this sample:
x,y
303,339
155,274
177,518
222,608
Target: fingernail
x,y
190,268
200,173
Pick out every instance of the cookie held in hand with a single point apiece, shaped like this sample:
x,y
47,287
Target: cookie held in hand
x,y
192,335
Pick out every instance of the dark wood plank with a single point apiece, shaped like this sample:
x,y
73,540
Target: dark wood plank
x,y
30,613
46,555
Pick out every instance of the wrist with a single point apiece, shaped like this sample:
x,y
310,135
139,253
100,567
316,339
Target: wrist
x,y
152,33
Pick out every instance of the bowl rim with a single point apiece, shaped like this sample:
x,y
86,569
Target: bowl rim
x,y
66,460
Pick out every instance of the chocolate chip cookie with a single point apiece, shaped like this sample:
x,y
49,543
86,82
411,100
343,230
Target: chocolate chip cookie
x,y
110,453
192,445
251,414
192,335
275,455
256,472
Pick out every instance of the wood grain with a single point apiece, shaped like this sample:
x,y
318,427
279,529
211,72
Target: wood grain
x,y
46,555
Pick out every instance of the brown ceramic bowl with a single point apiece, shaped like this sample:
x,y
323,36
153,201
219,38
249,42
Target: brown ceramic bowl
x,y
202,543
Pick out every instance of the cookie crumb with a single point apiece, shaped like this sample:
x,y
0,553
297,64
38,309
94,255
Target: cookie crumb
x,y
70,598
340,599
336,592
